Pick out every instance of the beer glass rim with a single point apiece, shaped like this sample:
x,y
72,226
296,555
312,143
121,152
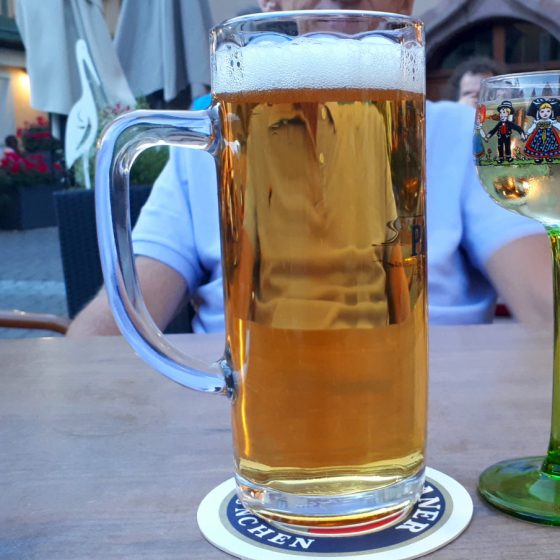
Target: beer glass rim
x,y
314,33
501,80
515,86
238,24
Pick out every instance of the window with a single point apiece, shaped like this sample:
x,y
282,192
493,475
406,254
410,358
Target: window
x,y
526,43
475,42
521,45
7,123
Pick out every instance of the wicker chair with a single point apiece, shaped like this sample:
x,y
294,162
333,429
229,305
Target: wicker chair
x,y
15,319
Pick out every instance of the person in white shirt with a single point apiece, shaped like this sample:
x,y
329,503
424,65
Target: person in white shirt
x,y
475,248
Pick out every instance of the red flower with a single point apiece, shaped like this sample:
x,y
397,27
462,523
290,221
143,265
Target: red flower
x,y
34,169
36,136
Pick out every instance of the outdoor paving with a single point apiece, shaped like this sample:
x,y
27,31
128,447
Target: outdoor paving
x,y
31,277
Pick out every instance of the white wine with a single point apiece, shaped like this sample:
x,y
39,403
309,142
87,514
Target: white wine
x,y
531,190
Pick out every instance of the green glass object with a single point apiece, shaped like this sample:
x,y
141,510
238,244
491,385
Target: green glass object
x,y
521,488
524,177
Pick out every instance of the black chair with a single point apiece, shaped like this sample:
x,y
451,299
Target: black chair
x,y
79,251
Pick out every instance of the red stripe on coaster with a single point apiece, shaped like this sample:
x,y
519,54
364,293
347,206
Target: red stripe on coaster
x,y
355,528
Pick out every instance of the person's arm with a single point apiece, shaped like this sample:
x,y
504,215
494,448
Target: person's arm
x,y
398,293
163,289
521,272
519,130
493,131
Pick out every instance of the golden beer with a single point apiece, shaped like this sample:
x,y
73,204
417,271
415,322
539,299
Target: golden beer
x,y
323,237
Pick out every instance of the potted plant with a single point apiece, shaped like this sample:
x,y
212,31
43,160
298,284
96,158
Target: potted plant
x,y
27,184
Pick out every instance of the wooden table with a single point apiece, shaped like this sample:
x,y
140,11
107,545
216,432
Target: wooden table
x,y
102,458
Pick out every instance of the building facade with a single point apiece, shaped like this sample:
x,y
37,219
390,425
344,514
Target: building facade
x,y
524,35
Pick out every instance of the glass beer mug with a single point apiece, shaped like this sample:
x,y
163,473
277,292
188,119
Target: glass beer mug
x,y
317,128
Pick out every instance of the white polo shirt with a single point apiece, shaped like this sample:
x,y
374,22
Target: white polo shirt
x,y
179,225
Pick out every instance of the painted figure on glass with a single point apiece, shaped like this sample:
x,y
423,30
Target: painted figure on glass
x,y
543,136
504,130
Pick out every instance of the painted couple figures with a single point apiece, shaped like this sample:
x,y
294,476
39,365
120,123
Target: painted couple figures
x,y
542,137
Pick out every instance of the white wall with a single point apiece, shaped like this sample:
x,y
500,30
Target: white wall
x,y
15,106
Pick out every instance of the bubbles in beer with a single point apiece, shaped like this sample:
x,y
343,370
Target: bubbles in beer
x,y
372,61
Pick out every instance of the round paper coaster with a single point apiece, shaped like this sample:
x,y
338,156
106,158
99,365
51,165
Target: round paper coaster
x,y
441,515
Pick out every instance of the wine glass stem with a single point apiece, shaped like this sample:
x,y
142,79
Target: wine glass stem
x,y
551,463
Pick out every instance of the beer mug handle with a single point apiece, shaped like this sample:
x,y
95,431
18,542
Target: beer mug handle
x,y
120,144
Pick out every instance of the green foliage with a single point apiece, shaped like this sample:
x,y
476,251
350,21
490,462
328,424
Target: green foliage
x,y
147,166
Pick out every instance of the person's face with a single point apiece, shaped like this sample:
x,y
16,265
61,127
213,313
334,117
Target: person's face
x,y
545,113
469,87
504,115
394,6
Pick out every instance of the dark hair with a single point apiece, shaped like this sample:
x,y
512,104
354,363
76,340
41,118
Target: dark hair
x,y
474,65
12,142
535,106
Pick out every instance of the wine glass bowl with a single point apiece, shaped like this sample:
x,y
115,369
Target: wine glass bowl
x,y
516,146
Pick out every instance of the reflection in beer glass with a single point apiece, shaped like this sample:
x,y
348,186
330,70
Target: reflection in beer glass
x,y
323,205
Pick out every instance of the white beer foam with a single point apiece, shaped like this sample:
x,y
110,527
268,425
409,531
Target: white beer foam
x,y
373,62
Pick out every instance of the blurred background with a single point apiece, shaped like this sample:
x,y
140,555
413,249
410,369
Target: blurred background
x,y
154,53
523,34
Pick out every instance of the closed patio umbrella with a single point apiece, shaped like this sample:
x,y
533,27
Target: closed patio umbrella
x,y
73,68
163,45
49,30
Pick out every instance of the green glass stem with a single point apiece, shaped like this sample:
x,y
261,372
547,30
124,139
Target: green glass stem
x,y
551,464
529,487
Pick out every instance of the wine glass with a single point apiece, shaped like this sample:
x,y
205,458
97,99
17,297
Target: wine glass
x,y
517,152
